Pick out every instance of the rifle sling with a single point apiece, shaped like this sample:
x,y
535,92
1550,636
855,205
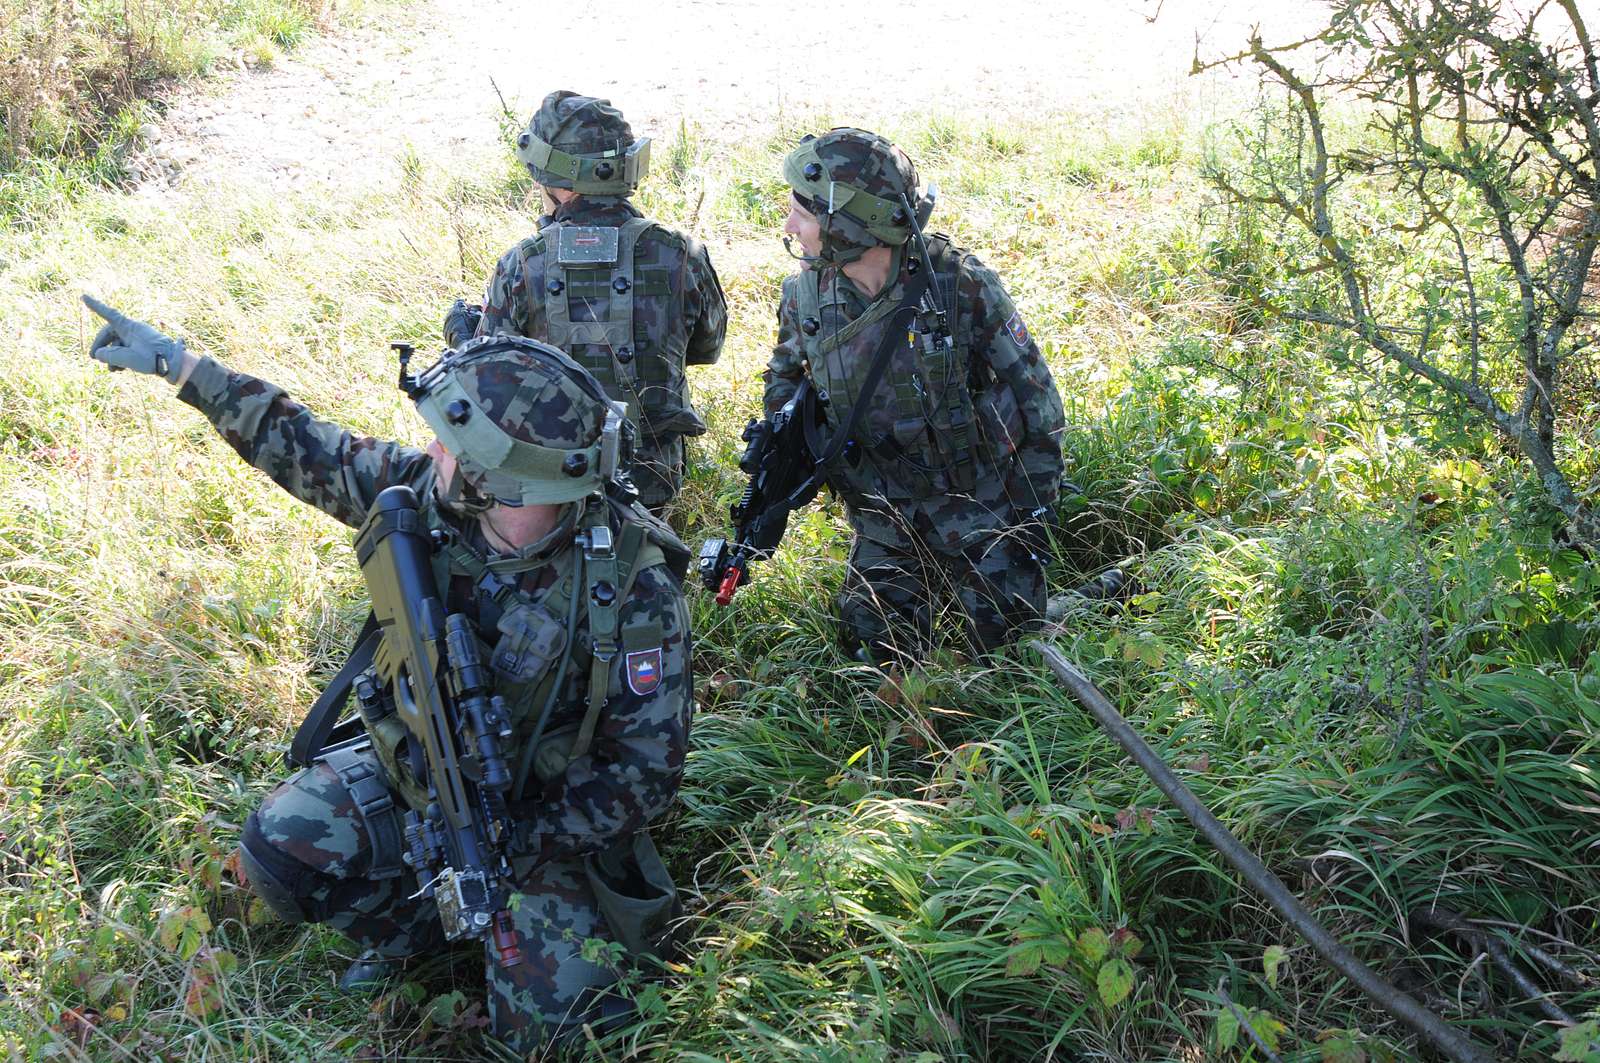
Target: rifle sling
x,y
312,735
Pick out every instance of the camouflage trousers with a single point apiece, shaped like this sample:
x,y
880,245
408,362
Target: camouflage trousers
x,y
910,562
658,471
322,848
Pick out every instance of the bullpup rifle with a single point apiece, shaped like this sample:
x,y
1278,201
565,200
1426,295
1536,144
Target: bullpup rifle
x,y
428,670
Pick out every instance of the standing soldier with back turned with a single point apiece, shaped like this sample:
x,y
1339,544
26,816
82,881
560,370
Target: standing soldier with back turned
x,y
955,462
631,300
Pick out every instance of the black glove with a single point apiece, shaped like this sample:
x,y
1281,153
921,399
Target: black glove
x,y
123,343
461,322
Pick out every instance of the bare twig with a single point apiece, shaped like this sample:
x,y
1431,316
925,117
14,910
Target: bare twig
x,y
1435,920
1244,1022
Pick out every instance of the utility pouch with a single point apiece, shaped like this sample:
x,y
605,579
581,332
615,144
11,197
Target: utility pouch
x,y
907,431
530,641
550,760
675,420
634,891
587,245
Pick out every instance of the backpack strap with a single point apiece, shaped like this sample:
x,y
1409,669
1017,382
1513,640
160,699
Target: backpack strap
x,y
611,566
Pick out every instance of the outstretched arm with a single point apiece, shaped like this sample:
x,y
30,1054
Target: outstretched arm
x,y
318,462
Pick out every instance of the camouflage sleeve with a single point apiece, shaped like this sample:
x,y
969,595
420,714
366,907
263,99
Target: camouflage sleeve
x,y
632,770
505,299
316,461
1000,338
704,308
783,373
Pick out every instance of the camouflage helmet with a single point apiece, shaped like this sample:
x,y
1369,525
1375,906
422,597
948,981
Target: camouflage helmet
x,y
526,424
853,181
583,143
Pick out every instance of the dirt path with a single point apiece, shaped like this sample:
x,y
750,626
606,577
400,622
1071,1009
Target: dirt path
x,y
341,108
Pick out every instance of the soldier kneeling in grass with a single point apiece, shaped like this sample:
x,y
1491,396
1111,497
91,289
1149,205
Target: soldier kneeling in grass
x,y
573,592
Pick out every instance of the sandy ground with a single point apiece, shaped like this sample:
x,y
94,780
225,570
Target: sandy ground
x,y
341,107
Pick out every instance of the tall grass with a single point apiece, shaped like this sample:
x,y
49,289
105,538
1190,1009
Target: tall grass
x,y
1380,674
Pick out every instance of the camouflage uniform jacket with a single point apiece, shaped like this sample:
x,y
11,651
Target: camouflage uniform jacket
x,y
977,427
632,771
679,315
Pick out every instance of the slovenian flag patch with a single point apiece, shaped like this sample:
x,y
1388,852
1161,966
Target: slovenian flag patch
x,y
644,670
1019,331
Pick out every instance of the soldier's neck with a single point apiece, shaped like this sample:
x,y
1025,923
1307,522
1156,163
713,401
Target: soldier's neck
x,y
871,271
509,529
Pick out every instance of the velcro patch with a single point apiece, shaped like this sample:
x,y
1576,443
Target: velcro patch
x,y
1019,331
644,670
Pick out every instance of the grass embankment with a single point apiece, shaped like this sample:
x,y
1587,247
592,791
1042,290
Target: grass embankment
x,y
1377,670
76,79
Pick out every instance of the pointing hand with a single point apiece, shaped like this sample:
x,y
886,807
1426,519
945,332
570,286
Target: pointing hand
x,y
124,343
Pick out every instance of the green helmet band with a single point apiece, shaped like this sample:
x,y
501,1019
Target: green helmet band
x,y
615,173
506,467
808,175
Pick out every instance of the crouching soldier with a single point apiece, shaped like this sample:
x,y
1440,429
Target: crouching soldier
x,y
955,461
631,300
573,592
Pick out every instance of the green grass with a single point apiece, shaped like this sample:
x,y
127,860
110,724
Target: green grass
x,y
1360,646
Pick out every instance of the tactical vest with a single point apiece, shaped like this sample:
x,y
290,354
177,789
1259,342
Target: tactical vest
x,y
540,642
936,423
595,265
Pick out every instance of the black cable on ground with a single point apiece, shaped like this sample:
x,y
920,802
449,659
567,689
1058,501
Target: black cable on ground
x,y
1423,1022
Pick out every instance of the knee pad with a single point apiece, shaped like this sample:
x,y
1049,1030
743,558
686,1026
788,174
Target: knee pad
x,y
283,883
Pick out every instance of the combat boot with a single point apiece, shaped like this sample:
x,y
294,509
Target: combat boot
x,y
370,973
1111,585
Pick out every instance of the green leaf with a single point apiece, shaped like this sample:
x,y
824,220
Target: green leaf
x,y
1227,1029
1269,1029
1115,981
1057,951
1025,960
1508,567
1271,960
442,1011
1094,944
100,986
1339,1046
1575,1041
224,961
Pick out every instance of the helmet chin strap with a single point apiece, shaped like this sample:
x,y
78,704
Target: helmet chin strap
x,y
832,254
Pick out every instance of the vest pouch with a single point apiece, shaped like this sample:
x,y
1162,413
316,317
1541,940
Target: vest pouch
x,y
907,431
389,738
672,419
550,760
531,640
634,891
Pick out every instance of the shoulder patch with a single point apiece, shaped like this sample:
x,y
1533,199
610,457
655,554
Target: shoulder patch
x,y
1019,331
644,670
